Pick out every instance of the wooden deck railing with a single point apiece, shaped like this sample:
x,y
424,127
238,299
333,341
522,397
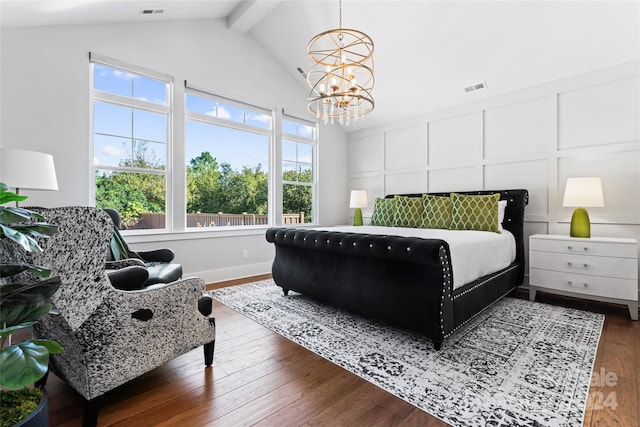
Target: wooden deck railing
x,y
157,220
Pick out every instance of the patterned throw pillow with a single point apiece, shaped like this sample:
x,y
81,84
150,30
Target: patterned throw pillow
x,y
383,211
475,212
437,212
408,211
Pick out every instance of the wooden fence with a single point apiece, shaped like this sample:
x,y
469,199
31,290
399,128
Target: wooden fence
x,y
220,219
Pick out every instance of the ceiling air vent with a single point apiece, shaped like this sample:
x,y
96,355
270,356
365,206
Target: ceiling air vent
x,y
474,87
152,11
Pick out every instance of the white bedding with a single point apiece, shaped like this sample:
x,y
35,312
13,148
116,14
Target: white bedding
x,y
473,253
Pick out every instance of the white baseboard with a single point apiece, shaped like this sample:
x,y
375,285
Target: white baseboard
x,y
231,273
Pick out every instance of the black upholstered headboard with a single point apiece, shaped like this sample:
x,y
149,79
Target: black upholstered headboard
x,y
513,214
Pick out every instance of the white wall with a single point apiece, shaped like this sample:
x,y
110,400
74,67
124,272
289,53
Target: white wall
x,y
534,138
44,87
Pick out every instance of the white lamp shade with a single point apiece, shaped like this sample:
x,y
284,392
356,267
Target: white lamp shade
x,y
584,192
26,169
358,199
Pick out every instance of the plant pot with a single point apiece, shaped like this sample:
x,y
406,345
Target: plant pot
x,y
39,417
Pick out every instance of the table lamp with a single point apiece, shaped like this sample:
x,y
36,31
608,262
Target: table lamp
x,y
358,200
27,170
581,193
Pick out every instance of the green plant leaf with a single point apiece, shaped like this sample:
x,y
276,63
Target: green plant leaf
x,y
25,214
40,290
12,329
15,314
8,196
24,240
38,229
53,346
22,364
12,216
24,302
10,269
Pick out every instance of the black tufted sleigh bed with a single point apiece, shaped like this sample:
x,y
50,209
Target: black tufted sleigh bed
x,y
405,281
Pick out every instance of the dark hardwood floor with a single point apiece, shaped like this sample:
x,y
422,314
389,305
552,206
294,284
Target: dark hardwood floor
x,y
261,378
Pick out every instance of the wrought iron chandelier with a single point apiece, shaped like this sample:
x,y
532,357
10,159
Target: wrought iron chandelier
x,y
340,74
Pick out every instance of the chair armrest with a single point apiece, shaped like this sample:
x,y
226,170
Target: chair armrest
x,y
116,265
171,302
157,255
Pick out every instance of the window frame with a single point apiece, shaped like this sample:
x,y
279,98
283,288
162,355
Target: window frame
x,y
313,142
235,125
96,95
173,205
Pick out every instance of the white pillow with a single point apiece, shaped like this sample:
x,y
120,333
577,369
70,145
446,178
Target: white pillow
x,y
502,204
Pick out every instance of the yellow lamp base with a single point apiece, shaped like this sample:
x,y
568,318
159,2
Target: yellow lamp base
x,y
580,225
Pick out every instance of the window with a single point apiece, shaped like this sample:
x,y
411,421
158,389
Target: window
x,y
227,147
131,141
298,177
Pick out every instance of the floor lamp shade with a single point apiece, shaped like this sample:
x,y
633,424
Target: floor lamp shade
x,y
581,193
358,200
24,169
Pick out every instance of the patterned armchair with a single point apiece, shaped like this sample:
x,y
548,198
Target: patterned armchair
x,y
112,336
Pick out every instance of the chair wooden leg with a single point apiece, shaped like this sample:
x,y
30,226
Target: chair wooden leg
x,y
209,347
90,416
208,353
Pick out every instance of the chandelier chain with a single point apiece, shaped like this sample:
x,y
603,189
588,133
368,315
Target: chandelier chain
x,y
340,14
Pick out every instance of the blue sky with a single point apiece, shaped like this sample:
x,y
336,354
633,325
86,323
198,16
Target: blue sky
x,y
116,127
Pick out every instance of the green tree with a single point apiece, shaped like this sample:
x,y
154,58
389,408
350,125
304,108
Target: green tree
x,y
245,191
217,187
203,184
297,198
132,193
211,187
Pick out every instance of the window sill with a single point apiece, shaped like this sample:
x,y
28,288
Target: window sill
x,y
201,233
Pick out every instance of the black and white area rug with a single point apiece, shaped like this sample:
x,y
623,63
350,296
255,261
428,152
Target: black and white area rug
x,y
518,363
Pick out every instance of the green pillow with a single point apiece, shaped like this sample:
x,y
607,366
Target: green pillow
x,y
408,211
383,211
437,212
475,212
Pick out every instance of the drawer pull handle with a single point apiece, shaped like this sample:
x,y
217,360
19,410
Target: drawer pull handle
x,y
571,248
570,283
570,264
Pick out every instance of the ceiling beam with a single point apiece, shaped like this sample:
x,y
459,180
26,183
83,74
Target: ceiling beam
x,y
248,13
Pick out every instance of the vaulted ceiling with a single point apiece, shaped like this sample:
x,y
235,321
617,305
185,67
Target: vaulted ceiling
x,y
426,52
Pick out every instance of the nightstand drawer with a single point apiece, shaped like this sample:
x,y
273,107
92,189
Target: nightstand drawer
x,y
623,268
587,285
584,247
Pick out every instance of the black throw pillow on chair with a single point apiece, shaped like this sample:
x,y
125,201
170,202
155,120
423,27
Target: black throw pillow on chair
x,y
131,278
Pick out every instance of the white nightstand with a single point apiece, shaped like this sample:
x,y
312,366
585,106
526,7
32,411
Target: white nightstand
x,y
597,268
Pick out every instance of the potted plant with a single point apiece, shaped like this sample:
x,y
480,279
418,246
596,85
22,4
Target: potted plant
x,y
23,302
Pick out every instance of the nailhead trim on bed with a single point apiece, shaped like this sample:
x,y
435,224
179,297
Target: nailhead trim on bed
x,y
446,289
475,315
484,282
